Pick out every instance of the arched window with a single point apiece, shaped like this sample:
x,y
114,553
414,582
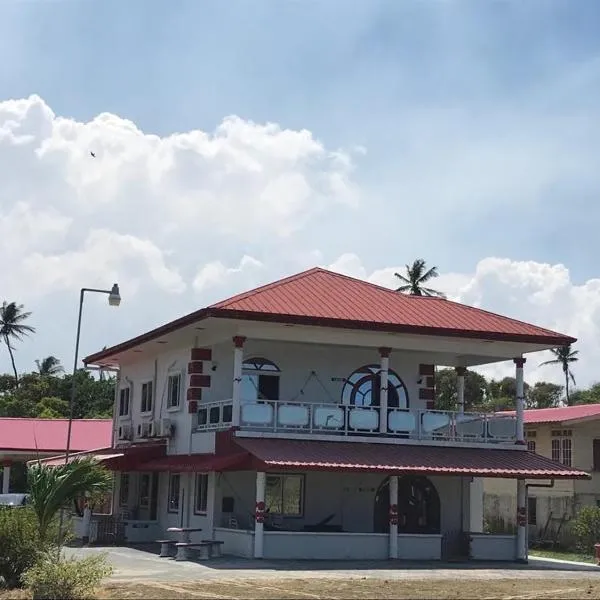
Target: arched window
x,y
260,380
363,388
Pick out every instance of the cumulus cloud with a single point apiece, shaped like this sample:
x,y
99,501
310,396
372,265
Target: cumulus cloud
x,y
534,292
216,276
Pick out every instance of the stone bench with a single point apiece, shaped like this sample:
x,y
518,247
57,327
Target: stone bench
x,y
214,548
167,548
205,550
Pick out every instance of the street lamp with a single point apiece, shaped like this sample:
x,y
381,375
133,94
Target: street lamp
x,y
114,299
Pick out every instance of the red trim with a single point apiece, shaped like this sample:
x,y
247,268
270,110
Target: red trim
x,y
426,394
385,352
195,367
519,362
192,407
194,393
238,341
461,371
198,353
426,370
199,381
430,382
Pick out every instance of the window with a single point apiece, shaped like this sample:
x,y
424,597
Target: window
x,y
201,501
531,445
124,401
567,453
596,451
363,388
124,490
147,397
532,510
174,484
260,380
144,490
174,390
562,447
284,495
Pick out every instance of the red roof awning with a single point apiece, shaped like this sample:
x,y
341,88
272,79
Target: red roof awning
x,y
195,463
60,460
403,458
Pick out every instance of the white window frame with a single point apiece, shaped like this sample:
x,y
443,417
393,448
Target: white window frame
x,y
170,507
283,477
562,446
147,398
124,391
531,445
174,407
200,491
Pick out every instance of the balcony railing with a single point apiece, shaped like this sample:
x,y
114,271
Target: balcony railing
x,y
345,420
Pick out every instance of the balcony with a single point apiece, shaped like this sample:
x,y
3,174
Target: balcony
x,y
344,420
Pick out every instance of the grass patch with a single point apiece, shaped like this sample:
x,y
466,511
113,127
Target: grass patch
x,y
563,555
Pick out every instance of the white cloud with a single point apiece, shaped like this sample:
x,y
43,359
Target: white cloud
x,y
537,293
216,275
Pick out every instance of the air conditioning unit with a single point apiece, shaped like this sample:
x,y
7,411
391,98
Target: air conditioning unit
x,y
125,432
167,428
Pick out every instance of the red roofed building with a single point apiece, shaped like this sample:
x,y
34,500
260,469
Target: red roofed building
x,y
306,408
23,439
568,435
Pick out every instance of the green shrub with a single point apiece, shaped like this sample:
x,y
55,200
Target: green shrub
x,y
20,545
585,528
66,578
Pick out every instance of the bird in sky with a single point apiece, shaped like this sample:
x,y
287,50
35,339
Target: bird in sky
x,y
93,154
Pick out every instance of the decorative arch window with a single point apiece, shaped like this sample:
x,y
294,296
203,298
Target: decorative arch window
x,y
260,380
363,388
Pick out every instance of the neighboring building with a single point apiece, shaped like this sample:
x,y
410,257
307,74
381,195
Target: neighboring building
x,y
298,420
570,436
26,439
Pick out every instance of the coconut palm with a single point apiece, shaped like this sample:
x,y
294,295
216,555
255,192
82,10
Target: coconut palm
x,y
416,275
564,356
49,366
53,488
13,327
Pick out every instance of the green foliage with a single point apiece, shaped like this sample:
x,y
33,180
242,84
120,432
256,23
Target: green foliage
x,y
13,328
416,275
586,528
53,488
66,578
544,395
20,543
446,394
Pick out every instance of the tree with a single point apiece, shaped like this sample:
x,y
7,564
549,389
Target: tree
x,y
13,327
53,488
416,276
564,356
544,395
49,366
446,390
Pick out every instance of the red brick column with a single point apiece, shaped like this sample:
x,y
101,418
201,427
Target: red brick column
x,y
198,381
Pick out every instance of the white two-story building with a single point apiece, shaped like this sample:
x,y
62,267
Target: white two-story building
x,y
298,420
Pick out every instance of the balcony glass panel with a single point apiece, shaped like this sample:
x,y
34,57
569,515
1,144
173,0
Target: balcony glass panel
x,y
402,420
363,419
502,427
290,415
435,423
472,426
325,417
257,414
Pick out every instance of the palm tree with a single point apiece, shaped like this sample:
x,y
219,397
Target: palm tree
x,y
53,488
564,356
12,327
416,275
49,366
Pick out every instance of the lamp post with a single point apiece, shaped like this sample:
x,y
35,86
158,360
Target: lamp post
x,y
114,299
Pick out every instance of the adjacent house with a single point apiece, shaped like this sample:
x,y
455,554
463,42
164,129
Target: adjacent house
x,y
24,439
298,420
570,436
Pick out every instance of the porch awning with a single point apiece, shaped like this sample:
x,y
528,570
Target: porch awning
x,y
195,463
404,458
97,455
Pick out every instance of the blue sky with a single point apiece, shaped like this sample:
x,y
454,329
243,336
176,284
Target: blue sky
x,y
479,120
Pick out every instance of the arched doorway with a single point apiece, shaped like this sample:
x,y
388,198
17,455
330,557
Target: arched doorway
x,y
418,506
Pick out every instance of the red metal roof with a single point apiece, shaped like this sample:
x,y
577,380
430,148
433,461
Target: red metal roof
x,y
322,297
399,458
561,414
50,435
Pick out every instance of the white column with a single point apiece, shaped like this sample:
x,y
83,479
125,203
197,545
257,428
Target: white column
x,y
384,353
393,516
460,388
238,359
5,479
211,495
521,521
259,529
476,505
520,384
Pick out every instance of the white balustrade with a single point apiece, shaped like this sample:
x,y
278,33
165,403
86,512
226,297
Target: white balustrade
x,y
328,418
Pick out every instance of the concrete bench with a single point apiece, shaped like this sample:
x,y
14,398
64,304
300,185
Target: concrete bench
x,y
186,550
214,547
166,548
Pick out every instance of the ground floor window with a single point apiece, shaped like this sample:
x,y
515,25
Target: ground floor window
x,y
532,510
174,488
285,495
201,499
144,490
124,490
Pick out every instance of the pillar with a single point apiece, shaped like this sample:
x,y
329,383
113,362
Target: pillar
x,y
384,354
476,505
520,400
393,486
521,553
238,359
460,388
211,504
259,516
5,479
